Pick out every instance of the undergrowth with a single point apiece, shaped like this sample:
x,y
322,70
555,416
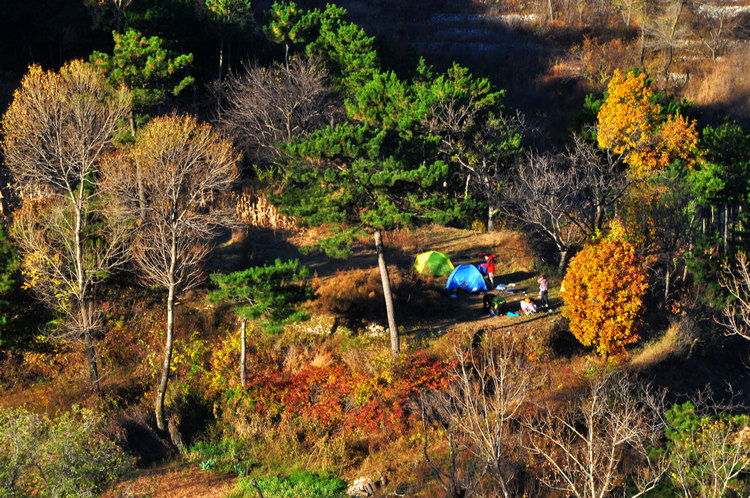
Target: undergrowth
x,y
298,484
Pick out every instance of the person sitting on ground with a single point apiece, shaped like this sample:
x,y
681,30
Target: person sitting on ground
x,y
527,306
492,303
487,302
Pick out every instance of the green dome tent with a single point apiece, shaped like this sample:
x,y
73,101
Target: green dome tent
x,y
435,263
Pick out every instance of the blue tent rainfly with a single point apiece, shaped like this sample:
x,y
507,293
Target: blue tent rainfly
x,y
466,277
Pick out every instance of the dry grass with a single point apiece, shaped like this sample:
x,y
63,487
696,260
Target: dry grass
x,y
175,481
727,87
513,253
678,340
255,210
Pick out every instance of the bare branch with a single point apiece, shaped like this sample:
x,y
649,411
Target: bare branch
x,y
268,106
583,445
736,315
478,412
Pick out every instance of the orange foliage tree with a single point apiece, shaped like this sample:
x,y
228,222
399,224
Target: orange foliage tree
x,y
627,116
631,125
603,292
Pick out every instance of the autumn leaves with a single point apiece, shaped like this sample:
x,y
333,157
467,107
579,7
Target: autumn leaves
x,y
94,203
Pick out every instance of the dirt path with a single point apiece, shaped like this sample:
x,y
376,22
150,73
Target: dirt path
x,y
180,480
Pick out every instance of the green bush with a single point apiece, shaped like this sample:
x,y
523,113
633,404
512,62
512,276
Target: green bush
x,y
67,456
299,484
225,455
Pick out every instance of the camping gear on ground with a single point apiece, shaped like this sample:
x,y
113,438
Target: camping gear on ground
x,y
511,291
466,277
510,313
500,287
527,306
434,263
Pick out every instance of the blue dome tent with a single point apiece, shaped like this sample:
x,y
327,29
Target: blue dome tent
x,y
466,277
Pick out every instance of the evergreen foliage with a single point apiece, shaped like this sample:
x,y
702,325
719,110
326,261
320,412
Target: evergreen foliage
x,y
272,292
146,67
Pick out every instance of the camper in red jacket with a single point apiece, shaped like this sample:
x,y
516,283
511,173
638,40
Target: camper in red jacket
x,y
489,265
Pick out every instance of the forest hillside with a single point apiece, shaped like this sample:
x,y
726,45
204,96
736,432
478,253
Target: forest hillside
x,y
214,220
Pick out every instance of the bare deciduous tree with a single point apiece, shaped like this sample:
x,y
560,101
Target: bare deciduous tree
x,y
736,315
56,130
628,9
582,446
540,194
567,197
185,167
598,183
709,446
716,26
267,106
665,30
477,413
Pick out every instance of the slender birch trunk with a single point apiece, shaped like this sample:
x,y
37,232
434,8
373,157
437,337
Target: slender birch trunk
x,y
81,282
490,222
162,389
243,373
387,293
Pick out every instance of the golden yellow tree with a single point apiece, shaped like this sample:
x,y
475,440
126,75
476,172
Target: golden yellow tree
x,y
603,292
675,139
186,167
630,125
627,118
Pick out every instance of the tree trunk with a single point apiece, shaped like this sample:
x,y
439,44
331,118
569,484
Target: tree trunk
x,y
490,223
739,223
563,259
242,353
221,58
551,12
725,234
387,293
90,353
672,33
138,179
643,43
598,218
82,290
162,389
667,280
229,54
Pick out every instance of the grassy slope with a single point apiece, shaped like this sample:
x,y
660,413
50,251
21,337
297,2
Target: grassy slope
x,y
682,356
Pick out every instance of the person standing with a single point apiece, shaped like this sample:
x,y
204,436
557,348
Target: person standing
x,y
489,265
543,290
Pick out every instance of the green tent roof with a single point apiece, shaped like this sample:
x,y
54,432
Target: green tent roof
x,y
434,263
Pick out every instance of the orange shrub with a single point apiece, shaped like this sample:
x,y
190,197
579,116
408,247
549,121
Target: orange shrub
x,y
603,292
344,402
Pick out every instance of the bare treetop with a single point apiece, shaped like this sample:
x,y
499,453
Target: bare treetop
x,y
185,166
58,126
268,106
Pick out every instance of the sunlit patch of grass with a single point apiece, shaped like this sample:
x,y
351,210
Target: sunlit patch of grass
x,y
678,340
